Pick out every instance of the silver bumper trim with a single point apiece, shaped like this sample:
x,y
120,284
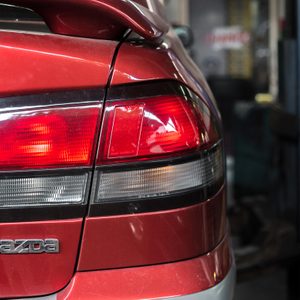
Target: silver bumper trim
x,y
222,291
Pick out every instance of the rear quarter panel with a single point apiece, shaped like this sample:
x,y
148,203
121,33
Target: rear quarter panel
x,y
140,61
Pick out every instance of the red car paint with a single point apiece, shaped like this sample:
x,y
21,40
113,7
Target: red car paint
x,y
152,282
36,274
151,238
155,245
32,63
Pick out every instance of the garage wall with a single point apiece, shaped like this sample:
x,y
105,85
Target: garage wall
x,y
204,17
178,11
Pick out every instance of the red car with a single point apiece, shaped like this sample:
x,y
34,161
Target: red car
x,y
111,158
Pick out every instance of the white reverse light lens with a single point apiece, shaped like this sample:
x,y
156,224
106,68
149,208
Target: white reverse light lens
x,y
160,181
41,191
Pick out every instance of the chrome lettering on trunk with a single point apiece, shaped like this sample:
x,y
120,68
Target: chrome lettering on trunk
x,y
29,246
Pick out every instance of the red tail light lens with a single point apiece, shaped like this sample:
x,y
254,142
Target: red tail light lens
x,y
158,126
49,138
179,127
125,124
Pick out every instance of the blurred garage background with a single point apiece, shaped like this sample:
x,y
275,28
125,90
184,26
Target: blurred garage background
x,y
249,51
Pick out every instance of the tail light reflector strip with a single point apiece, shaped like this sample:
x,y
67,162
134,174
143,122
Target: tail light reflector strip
x,y
160,181
42,191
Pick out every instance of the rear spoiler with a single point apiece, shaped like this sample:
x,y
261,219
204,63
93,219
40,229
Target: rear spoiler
x,y
103,19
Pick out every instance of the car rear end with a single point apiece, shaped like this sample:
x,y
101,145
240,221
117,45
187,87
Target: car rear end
x,y
112,177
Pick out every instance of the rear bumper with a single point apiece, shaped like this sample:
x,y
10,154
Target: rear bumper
x,y
208,277
222,291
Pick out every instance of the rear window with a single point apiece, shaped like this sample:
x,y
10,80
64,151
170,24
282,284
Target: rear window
x,y
20,19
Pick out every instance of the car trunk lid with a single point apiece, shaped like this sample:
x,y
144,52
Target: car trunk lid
x,y
51,96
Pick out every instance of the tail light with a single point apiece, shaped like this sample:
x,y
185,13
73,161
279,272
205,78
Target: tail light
x,y
154,149
46,156
47,138
147,128
157,143
160,149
